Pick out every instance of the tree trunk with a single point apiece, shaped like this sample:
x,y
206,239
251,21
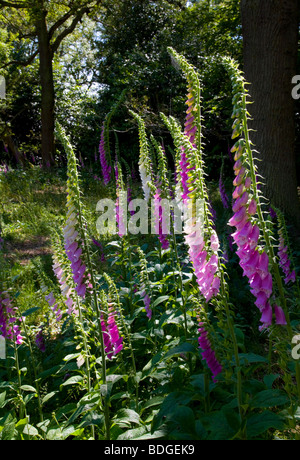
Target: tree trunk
x,y
13,149
47,91
270,38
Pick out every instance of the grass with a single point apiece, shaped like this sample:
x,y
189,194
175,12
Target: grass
x,y
32,203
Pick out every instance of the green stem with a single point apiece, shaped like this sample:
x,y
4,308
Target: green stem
x,y
180,281
235,347
22,406
34,370
86,357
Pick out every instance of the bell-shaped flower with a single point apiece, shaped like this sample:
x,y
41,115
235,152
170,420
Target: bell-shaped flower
x,y
279,315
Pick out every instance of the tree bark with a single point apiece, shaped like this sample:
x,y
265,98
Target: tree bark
x,y
47,91
270,39
13,149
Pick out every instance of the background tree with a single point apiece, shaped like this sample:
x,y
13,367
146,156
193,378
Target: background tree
x,y
270,45
132,54
46,25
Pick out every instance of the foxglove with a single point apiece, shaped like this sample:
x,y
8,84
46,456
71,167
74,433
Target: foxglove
x,y
207,352
73,230
73,248
113,340
40,340
145,166
53,304
255,260
9,327
200,236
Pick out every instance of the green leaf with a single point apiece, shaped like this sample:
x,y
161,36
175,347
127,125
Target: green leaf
x,y
127,416
270,379
73,380
249,358
259,423
50,371
71,356
60,433
151,365
218,427
2,399
91,418
30,311
135,433
78,412
156,401
8,431
162,298
21,423
28,388
48,396
269,398
182,348
183,418
30,430
155,435
169,407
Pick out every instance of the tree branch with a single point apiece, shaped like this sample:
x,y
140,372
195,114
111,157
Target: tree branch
x,y
59,23
22,63
69,29
13,4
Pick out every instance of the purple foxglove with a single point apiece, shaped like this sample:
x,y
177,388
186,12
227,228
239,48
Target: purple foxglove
x,y
266,317
147,301
240,201
9,328
207,353
279,315
252,207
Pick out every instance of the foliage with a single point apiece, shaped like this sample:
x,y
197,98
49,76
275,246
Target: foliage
x,y
124,337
